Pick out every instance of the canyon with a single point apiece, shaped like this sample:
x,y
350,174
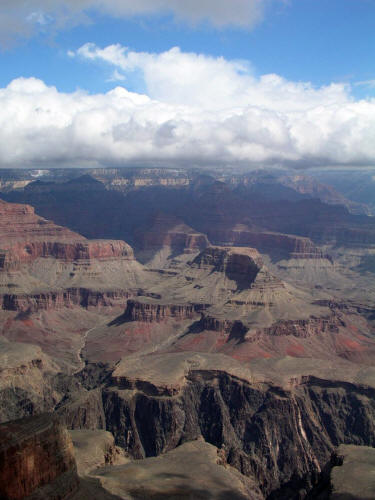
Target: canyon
x,y
177,333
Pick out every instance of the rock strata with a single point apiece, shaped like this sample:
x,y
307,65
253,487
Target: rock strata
x,y
282,436
36,460
239,264
290,246
53,300
147,311
169,231
25,237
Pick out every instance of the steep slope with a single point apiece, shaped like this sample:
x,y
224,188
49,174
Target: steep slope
x,y
36,460
225,300
55,284
276,421
165,238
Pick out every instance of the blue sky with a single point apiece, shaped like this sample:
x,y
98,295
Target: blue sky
x,y
310,40
98,45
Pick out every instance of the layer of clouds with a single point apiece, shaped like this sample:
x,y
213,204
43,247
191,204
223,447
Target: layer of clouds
x,y
198,110
23,18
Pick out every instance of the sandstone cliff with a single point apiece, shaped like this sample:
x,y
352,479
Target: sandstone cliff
x,y
36,460
150,311
44,266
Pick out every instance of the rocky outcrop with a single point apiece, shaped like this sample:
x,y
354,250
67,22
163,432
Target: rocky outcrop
x,y
82,409
26,237
149,312
239,264
194,470
282,437
94,449
36,460
292,247
169,231
63,298
44,266
128,179
26,380
19,222
26,252
234,329
302,328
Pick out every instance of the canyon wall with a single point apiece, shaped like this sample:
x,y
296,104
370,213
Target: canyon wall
x,y
36,460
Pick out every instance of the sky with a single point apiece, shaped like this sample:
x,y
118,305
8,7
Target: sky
x,y
187,82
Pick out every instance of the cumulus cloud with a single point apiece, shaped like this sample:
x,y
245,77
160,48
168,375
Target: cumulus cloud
x,y
212,82
23,18
198,110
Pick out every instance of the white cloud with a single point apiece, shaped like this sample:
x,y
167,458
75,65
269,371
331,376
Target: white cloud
x,y
208,82
23,18
198,110
116,76
366,83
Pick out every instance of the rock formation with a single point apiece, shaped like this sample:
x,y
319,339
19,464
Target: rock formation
x,y
36,460
278,244
193,470
150,311
45,266
243,363
177,398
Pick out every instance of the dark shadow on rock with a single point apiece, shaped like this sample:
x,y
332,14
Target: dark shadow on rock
x,y
119,320
90,489
22,315
238,332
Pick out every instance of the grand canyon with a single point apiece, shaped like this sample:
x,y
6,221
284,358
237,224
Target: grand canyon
x,y
185,333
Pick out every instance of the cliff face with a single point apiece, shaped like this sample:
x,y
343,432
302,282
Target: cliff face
x,y
238,264
36,458
283,438
44,266
303,328
20,223
169,231
62,298
290,246
26,237
26,380
150,312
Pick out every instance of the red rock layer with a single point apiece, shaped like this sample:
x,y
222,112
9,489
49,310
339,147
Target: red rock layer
x,y
302,328
36,452
149,312
20,223
25,236
294,246
64,298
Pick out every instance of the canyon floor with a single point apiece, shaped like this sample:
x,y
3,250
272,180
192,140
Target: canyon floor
x,y
173,334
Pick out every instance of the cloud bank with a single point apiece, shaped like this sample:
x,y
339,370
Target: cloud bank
x,y
23,18
198,110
